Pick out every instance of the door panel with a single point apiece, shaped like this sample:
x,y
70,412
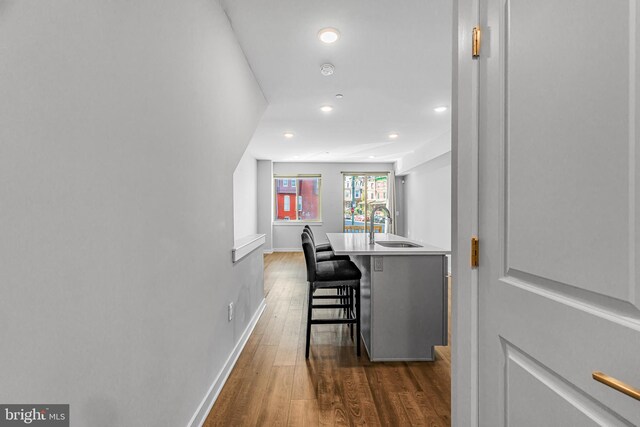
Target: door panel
x,y
555,338
558,404
567,128
558,212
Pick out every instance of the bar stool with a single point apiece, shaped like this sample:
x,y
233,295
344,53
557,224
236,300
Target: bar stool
x,y
322,255
336,274
329,255
322,246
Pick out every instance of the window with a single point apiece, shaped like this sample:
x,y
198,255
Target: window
x,y
297,198
358,205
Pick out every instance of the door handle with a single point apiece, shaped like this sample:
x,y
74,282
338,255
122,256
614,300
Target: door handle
x,y
616,384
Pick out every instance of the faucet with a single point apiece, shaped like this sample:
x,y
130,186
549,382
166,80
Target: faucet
x,y
376,209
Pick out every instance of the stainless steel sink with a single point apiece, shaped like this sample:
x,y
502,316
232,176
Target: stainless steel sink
x,y
397,244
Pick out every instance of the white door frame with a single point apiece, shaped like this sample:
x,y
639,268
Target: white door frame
x,y
464,211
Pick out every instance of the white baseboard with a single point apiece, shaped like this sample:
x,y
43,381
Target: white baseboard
x,y
287,249
205,406
268,251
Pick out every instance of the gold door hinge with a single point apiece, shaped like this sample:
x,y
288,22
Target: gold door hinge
x,y
475,42
475,252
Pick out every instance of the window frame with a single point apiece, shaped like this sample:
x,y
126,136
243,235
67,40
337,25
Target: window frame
x,y
366,188
293,179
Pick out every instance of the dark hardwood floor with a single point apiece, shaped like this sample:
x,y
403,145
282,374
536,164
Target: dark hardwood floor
x,y
273,385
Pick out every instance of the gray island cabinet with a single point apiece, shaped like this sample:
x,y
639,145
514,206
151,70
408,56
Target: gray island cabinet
x,y
404,298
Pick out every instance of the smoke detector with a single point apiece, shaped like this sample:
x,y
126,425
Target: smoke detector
x,y
327,69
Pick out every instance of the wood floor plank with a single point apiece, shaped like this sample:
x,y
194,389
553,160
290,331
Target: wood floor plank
x,y
304,383
304,413
413,409
436,391
240,407
273,384
331,407
277,400
427,402
288,345
396,377
398,413
357,396
276,324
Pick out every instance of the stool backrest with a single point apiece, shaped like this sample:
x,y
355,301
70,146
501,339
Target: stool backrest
x,y
310,234
306,227
309,250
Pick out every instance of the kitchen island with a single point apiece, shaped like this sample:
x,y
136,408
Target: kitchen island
x,y
404,298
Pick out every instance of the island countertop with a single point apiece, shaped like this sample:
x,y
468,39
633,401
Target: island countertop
x,y
358,244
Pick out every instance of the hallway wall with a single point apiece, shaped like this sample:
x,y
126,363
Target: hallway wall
x,y
427,202
265,203
245,197
122,124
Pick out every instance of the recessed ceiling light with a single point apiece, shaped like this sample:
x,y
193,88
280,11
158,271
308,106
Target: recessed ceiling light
x,y
339,95
440,109
393,135
328,35
327,69
288,135
372,157
326,108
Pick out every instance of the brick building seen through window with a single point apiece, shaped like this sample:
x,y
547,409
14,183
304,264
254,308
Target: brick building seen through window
x,y
297,198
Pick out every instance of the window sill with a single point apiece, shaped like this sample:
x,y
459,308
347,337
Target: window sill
x,y
296,222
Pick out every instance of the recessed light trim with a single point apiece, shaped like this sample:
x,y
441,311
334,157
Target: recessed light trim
x,y
326,108
288,135
339,95
440,109
393,135
328,35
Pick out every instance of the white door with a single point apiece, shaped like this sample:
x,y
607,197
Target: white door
x,y
559,228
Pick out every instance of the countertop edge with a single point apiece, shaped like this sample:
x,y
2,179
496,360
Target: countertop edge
x,y
337,241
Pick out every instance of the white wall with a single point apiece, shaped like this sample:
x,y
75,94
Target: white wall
x,y
400,207
245,197
287,236
122,123
427,202
265,203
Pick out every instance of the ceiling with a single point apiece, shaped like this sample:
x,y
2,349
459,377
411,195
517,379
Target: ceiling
x,y
392,64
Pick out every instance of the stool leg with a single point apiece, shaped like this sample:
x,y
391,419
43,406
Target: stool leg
x,y
357,296
347,291
350,312
306,351
350,302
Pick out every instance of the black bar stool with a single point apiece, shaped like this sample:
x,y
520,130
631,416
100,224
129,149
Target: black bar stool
x,y
322,246
324,255
329,255
335,274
